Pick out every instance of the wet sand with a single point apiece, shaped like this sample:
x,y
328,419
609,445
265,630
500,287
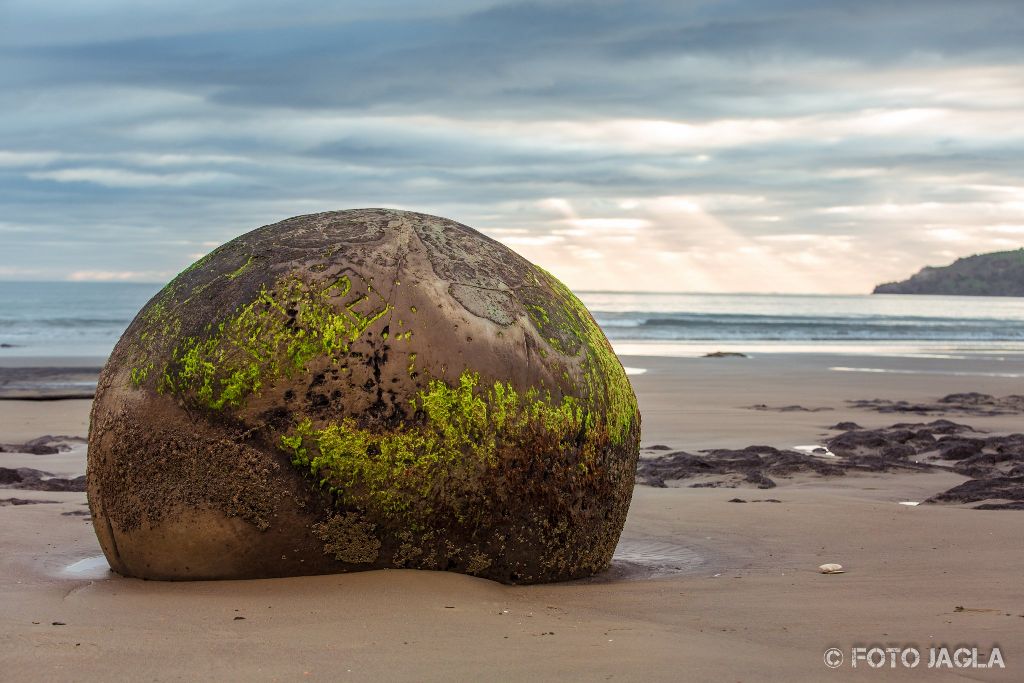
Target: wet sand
x,y
702,588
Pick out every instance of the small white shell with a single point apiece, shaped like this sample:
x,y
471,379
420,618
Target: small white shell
x,y
831,569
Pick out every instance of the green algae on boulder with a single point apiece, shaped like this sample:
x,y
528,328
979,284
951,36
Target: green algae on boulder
x,y
359,390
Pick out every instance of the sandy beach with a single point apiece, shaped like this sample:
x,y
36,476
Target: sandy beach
x,y
582,341
701,589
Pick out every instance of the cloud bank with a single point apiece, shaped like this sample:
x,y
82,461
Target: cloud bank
x,y
764,146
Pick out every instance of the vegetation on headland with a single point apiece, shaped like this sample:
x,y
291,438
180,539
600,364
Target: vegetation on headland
x,y
997,274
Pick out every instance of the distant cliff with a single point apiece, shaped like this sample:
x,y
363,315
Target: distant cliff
x,y
997,274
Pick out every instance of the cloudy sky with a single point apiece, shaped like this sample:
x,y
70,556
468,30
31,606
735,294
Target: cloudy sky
x,y
744,145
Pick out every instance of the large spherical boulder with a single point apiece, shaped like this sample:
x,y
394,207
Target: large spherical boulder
x,y
359,390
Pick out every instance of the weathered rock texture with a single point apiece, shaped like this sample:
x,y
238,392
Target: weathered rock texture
x,y
358,390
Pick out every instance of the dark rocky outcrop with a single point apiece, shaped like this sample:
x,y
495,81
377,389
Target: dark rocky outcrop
x,y
725,468
1010,489
994,463
37,480
788,409
969,403
43,445
26,501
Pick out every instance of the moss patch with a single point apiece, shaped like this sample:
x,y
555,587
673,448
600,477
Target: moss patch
x,y
459,431
138,375
276,334
570,329
241,269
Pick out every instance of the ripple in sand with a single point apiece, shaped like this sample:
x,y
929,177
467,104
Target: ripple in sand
x,y
90,568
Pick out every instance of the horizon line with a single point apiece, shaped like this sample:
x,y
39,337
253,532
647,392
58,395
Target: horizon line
x,y
582,291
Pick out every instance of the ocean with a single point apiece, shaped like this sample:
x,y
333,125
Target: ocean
x,y
86,319
67,318
693,324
